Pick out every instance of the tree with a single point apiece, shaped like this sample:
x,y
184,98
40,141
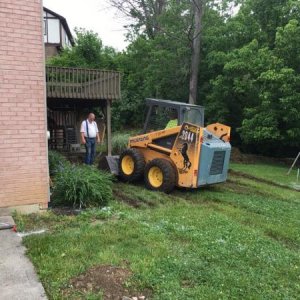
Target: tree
x,y
151,14
197,9
274,122
88,52
249,66
146,13
287,44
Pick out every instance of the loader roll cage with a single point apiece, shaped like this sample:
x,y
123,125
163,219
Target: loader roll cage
x,y
185,113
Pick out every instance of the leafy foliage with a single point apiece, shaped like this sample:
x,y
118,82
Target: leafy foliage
x,y
119,142
82,187
248,73
88,52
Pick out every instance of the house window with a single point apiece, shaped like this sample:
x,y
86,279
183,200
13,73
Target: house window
x,y
53,31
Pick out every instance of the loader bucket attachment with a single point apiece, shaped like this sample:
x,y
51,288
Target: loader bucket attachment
x,y
110,164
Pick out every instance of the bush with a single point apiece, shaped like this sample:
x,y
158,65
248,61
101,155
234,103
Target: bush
x,y
82,186
119,142
57,162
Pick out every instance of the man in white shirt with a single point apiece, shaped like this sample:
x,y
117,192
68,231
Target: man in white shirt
x,y
89,136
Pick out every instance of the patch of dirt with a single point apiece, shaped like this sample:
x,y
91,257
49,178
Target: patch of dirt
x,y
128,200
187,284
237,187
132,201
239,157
66,211
110,279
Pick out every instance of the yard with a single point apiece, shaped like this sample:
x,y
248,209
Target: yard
x,y
238,240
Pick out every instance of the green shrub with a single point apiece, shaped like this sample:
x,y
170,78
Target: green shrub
x,y
57,162
119,142
82,186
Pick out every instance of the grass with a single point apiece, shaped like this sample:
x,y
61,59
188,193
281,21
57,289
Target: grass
x,y
238,240
82,186
274,173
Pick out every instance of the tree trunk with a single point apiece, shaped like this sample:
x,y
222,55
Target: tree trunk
x,y
197,6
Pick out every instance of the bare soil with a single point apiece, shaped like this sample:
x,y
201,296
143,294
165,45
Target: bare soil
x,y
239,157
120,196
66,211
111,280
132,201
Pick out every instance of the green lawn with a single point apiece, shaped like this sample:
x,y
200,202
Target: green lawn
x,y
274,173
239,240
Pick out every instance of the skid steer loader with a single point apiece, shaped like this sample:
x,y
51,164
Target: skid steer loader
x,y
175,149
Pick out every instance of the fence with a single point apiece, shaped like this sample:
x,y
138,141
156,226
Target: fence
x,y
77,83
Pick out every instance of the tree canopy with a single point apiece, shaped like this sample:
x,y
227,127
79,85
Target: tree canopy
x,y
249,68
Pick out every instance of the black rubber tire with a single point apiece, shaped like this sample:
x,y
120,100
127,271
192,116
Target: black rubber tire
x,y
169,175
139,165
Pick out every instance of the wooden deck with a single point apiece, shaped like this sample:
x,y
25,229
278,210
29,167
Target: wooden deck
x,y
77,83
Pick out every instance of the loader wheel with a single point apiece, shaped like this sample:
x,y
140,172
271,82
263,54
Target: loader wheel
x,y
131,165
160,175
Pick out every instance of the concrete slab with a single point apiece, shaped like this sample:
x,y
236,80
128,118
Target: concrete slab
x,y
18,280
7,219
6,222
23,209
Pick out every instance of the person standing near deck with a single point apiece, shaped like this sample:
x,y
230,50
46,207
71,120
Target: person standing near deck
x,y
89,137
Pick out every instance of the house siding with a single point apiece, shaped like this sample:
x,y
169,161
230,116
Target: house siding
x,y
50,50
23,147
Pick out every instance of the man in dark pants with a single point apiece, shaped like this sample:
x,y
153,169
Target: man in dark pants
x,y
89,136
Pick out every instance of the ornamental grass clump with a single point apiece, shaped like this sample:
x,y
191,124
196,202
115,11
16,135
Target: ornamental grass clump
x,y
119,142
57,162
82,186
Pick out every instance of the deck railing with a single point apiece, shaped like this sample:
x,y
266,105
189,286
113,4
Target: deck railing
x,y
78,83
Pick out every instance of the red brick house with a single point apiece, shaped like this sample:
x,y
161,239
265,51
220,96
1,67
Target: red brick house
x,y
24,175
23,147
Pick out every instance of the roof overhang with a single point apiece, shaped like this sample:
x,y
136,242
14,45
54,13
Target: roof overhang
x,y
63,22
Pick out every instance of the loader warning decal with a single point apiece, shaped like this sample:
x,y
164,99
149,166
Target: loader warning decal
x,y
186,145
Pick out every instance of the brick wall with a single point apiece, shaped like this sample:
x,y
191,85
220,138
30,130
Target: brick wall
x,y
23,144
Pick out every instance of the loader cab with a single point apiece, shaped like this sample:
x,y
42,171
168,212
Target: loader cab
x,y
163,114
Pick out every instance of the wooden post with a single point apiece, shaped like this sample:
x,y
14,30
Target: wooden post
x,y
288,173
108,126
